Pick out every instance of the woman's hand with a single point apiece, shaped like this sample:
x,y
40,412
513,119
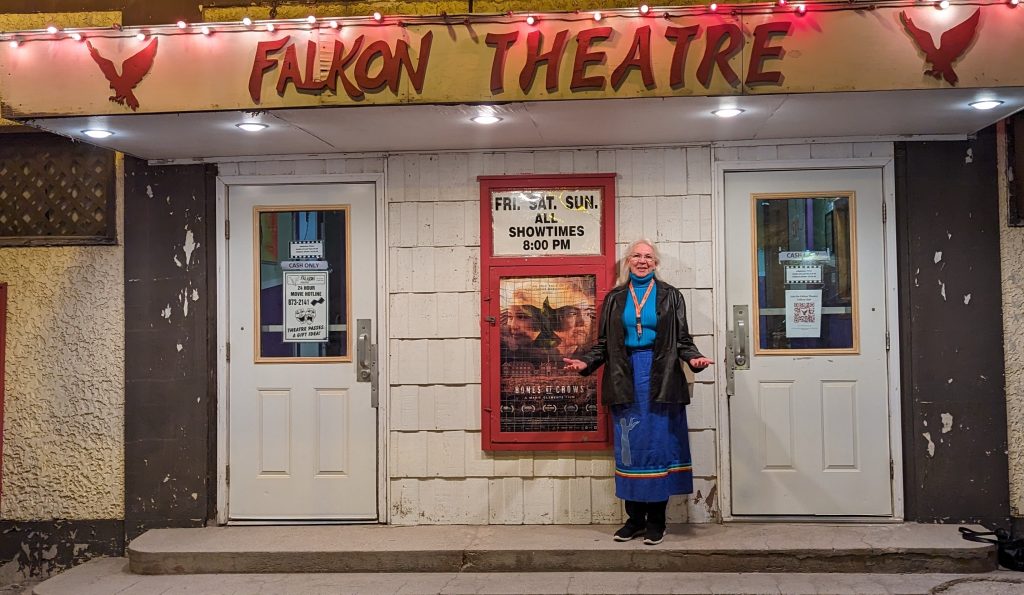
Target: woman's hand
x,y
574,364
701,362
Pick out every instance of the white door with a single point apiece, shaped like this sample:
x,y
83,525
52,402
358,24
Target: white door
x,y
302,311
805,288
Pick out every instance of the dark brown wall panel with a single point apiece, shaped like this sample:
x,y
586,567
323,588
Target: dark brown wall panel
x,y
169,409
954,405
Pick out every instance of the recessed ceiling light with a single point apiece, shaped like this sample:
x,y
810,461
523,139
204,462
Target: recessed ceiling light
x,y
985,104
728,112
97,133
486,119
251,126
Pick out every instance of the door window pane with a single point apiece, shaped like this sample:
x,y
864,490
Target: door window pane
x,y
805,272
303,305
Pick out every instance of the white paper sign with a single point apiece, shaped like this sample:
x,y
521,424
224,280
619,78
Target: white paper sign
x,y
312,249
803,313
304,265
804,255
546,222
305,306
803,274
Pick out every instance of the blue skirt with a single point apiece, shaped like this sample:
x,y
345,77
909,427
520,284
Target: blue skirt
x,y
652,444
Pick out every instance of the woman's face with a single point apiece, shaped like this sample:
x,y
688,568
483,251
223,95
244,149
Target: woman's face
x,y
641,260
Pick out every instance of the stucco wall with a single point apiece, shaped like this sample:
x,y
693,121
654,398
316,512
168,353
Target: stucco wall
x,y
1011,256
63,407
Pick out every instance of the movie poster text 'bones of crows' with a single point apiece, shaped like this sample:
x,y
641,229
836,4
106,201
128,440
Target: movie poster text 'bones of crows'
x,y
544,319
546,222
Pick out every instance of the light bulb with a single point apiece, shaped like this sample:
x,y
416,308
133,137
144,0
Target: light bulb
x,y
247,21
985,104
644,9
270,27
97,133
252,126
378,17
206,30
140,36
713,7
486,119
530,20
76,36
182,24
311,19
51,29
333,24
597,16
728,112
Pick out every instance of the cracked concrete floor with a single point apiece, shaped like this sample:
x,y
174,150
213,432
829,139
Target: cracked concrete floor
x,y
108,576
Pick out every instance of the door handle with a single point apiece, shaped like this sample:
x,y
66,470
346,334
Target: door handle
x,y
737,344
740,322
366,358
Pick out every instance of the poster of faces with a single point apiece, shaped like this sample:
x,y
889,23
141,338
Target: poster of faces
x,y
545,319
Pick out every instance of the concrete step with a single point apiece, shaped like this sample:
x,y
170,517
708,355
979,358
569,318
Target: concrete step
x,y
735,547
110,575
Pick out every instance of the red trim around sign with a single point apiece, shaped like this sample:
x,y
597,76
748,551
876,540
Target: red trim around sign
x,y
493,268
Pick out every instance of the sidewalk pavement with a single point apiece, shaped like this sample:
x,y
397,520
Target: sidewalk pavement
x,y
108,576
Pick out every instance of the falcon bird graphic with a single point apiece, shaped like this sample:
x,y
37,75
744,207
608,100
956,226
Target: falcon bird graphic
x,y
951,45
132,71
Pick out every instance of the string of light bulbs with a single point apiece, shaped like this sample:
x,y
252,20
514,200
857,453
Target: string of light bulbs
x,y
55,33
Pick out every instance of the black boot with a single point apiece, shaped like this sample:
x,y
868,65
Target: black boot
x,y
655,532
636,524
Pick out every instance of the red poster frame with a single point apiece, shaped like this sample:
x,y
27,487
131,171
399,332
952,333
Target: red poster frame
x,y
493,268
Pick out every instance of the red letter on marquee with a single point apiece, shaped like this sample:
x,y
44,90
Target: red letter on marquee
x,y
289,71
638,56
534,58
337,69
309,83
720,57
584,57
415,74
682,37
501,42
261,64
762,51
387,70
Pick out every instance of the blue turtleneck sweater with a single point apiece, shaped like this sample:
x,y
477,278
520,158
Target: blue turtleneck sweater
x,y
648,316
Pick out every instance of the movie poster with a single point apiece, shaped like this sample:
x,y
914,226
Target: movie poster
x,y
544,319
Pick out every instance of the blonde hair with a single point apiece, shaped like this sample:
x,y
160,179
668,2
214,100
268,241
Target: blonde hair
x,y
624,264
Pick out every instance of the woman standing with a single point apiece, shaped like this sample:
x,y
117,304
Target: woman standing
x,y
642,337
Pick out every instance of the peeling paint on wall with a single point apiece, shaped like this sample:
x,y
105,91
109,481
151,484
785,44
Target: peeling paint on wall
x,y
931,445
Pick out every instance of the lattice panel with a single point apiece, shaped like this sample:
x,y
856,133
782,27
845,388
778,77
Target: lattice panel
x,y
55,190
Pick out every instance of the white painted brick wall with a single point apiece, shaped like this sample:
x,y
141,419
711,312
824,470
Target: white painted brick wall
x,y
539,501
505,498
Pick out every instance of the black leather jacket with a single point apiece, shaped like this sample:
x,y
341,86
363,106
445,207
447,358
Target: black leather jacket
x,y
671,344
